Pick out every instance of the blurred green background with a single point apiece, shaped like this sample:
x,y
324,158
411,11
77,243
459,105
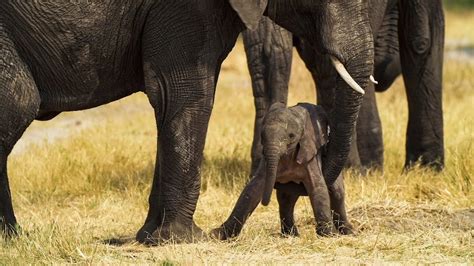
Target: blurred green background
x,y
459,4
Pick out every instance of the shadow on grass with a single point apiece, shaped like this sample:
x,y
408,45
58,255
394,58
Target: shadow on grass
x,y
120,241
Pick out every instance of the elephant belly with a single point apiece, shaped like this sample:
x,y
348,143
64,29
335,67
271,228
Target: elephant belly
x,y
290,171
55,99
292,188
288,178
80,55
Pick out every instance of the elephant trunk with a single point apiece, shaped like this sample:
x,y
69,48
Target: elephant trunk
x,y
272,158
347,103
348,42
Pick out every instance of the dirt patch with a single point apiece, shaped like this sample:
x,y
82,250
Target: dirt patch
x,y
72,123
64,128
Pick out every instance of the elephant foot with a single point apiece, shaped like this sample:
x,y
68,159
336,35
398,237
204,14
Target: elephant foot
x,y
371,163
435,165
146,232
225,232
361,170
345,228
9,231
364,163
326,230
289,231
175,232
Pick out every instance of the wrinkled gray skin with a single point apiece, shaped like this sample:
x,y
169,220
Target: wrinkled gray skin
x,y
409,39
58,56
293,142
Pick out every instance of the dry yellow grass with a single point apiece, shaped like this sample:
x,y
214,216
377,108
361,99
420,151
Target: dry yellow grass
x,y
73,194
461,26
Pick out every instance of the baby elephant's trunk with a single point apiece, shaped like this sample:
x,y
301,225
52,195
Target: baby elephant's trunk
x,y
271,158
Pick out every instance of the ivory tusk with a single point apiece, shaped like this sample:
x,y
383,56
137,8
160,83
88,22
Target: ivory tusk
x,y
341,69
373,80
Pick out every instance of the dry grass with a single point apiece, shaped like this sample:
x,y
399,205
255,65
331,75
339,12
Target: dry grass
x,y
72,195
461,26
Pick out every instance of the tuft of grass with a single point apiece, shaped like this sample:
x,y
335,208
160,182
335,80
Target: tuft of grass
x,y
75,194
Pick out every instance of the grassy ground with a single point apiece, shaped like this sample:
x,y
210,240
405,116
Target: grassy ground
x,y
73,194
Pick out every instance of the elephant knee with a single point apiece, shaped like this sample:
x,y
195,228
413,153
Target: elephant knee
x,y
417,26
420,44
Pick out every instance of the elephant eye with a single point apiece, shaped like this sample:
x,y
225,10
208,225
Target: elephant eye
x,y
292,136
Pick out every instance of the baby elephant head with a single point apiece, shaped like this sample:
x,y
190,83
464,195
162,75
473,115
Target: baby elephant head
x,y
300,131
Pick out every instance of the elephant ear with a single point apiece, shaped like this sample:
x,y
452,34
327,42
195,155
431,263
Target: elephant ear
x,y
250,11
306,147
320,122
316,132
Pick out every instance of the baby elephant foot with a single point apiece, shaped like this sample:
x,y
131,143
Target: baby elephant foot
x,y
289,231
344,228
325,230
225,232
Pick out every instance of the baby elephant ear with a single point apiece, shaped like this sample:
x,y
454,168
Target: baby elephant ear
x,y
250,11
307,148
321,125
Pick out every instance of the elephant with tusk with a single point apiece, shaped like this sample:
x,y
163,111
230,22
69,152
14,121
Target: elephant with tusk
x,y
293,143
408,41
60,56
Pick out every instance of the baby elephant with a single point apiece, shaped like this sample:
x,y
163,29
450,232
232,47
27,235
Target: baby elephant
x,y
293,139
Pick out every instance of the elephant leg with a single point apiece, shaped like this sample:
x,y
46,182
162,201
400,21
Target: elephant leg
x,y
246,204
8,223
369,133
176,182
19,100
180,70
319,198
421,34
286,202
338,206
269,57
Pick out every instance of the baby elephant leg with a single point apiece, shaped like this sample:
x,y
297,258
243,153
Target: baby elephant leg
x,y
286,202
337,194
246,204
319,197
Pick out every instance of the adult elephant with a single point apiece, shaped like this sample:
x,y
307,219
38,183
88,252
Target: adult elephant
x,y
409,39
56,56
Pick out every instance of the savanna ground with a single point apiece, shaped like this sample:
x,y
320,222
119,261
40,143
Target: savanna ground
x,y
90,182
